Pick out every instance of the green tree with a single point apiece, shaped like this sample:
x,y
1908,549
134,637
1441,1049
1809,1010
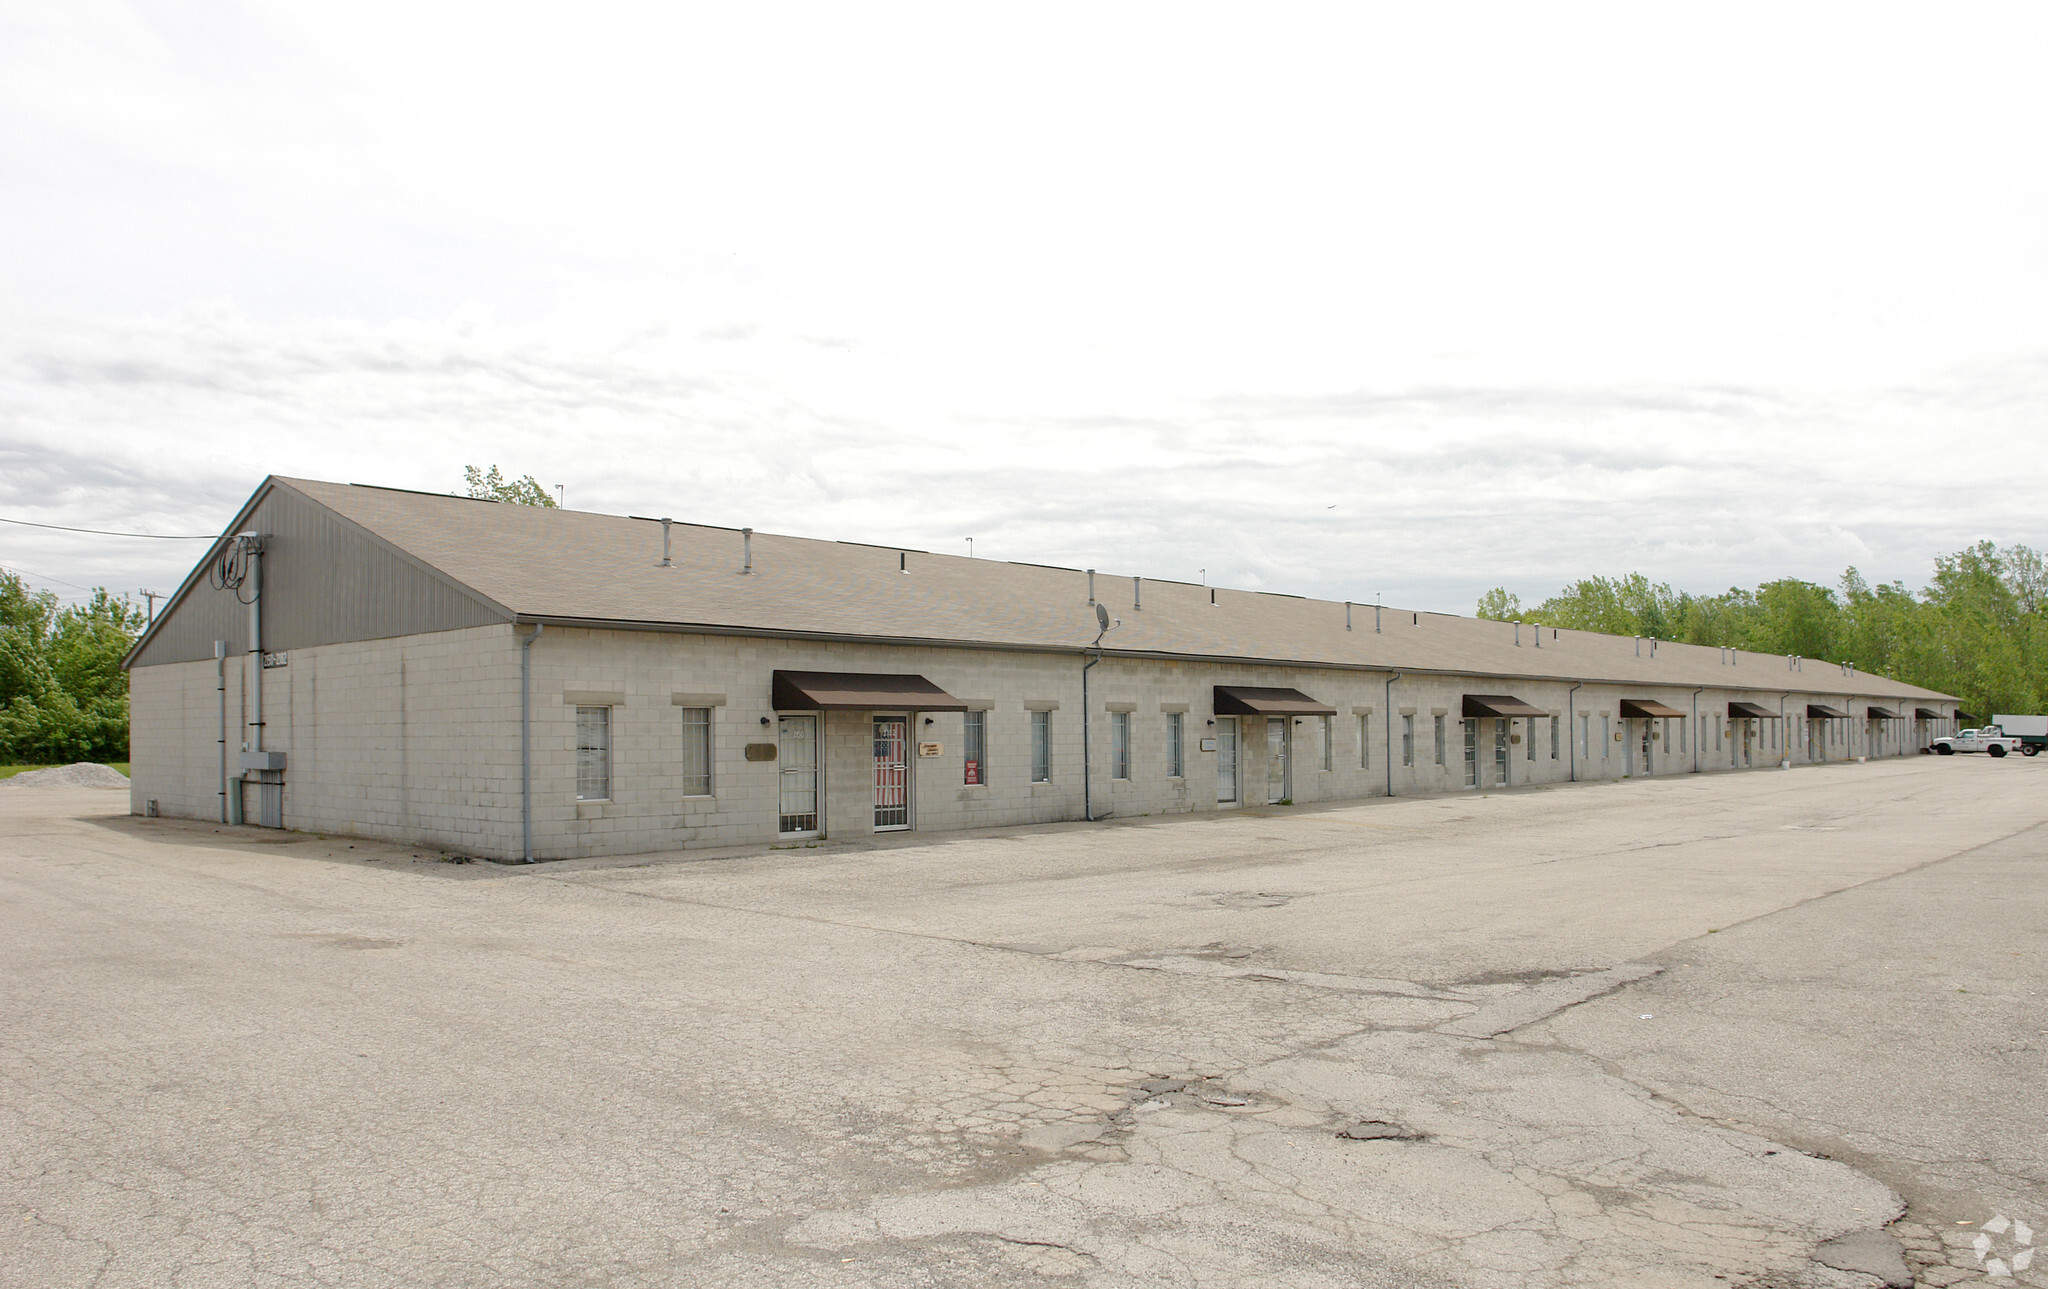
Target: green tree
x,y
63,695
490,485
1500,606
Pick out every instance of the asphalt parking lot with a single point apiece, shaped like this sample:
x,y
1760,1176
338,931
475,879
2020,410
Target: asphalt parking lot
x,y
1676,1032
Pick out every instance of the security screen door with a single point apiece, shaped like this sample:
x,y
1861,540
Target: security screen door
x,y
1647,726
796,748
1277,731
1226,759
1501,725
1471,751
1748,742
892,774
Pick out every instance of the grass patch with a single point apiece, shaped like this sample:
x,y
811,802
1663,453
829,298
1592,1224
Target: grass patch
x,y
9,771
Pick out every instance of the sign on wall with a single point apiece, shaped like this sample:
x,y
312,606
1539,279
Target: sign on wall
x,y
930,749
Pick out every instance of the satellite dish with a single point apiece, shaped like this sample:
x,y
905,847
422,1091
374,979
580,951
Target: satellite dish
x,y
1102,617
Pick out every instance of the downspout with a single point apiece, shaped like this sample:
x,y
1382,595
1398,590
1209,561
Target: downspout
x,y
1388,707
1571,731
526,742
220,685
1698,730
255,549
1784,735
1087,764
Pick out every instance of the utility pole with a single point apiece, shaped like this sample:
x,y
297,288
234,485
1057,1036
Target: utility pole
x,y
152,597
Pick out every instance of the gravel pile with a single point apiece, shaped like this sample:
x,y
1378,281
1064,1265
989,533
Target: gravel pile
x,y
84,774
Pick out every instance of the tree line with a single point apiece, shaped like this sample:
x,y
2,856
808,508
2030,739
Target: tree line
x,y
1978,629
63,695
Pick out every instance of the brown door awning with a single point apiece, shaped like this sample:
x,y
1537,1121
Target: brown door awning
x,y
1644,707
1825,712
1262,700
1928,714
1883,714
1750,711
827,691
1499,705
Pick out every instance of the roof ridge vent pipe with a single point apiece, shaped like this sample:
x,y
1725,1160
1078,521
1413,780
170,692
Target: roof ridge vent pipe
x,y
1376,617
1137,594
902,561
1347,615
746,551
1639,645
1518,635
1212,597
1091,586
1653,646
665,561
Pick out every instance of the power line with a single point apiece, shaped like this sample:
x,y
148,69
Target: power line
x,y
103,532
22,572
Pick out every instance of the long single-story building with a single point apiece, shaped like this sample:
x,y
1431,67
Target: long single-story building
x,y
511,681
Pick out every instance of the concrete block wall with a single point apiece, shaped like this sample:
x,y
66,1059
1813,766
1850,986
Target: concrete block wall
x,y
413,739
418,739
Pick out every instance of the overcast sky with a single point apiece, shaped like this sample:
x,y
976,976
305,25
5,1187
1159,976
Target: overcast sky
x,y
1338,300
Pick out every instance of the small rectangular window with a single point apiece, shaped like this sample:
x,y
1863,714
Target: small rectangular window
x,y
1407,740
1529,737
1553,738
1176,758
1329,743
593,753
1041,747
1365,742
1585,737
1119,745
974,747
696,765
1440,740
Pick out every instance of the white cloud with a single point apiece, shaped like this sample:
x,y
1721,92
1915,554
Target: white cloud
x,y
1525,294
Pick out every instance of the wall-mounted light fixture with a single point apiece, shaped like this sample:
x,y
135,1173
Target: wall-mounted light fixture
x,y
930,721
764,720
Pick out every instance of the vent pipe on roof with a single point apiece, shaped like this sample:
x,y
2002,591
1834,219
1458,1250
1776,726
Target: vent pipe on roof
x,y
1653,646
1376,617
903,561
1212,597
665,562
1137,594
747,549
1518,635
1347,615
1091,586
1639,646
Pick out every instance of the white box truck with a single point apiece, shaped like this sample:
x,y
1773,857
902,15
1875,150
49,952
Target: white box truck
x,y
2031,731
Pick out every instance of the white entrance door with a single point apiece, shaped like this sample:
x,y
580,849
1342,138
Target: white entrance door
x,y
1278,732
892,773
1226,760
796,748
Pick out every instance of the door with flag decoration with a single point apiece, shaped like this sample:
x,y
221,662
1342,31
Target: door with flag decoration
x,y
892,773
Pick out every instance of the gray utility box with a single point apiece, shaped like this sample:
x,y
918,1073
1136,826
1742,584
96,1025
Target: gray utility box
x,y
262,760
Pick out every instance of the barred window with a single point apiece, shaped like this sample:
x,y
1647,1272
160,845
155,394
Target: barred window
x,y
1041,747
1407,740
593,753
1365,742
1119,745
1553,738
696,766
974,742
1440,740
1329,742
1176,757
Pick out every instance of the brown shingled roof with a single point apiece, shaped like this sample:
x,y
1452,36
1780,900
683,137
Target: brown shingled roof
x,y
576,566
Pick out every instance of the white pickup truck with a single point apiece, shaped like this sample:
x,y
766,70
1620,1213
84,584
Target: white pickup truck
x,y
1990,740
